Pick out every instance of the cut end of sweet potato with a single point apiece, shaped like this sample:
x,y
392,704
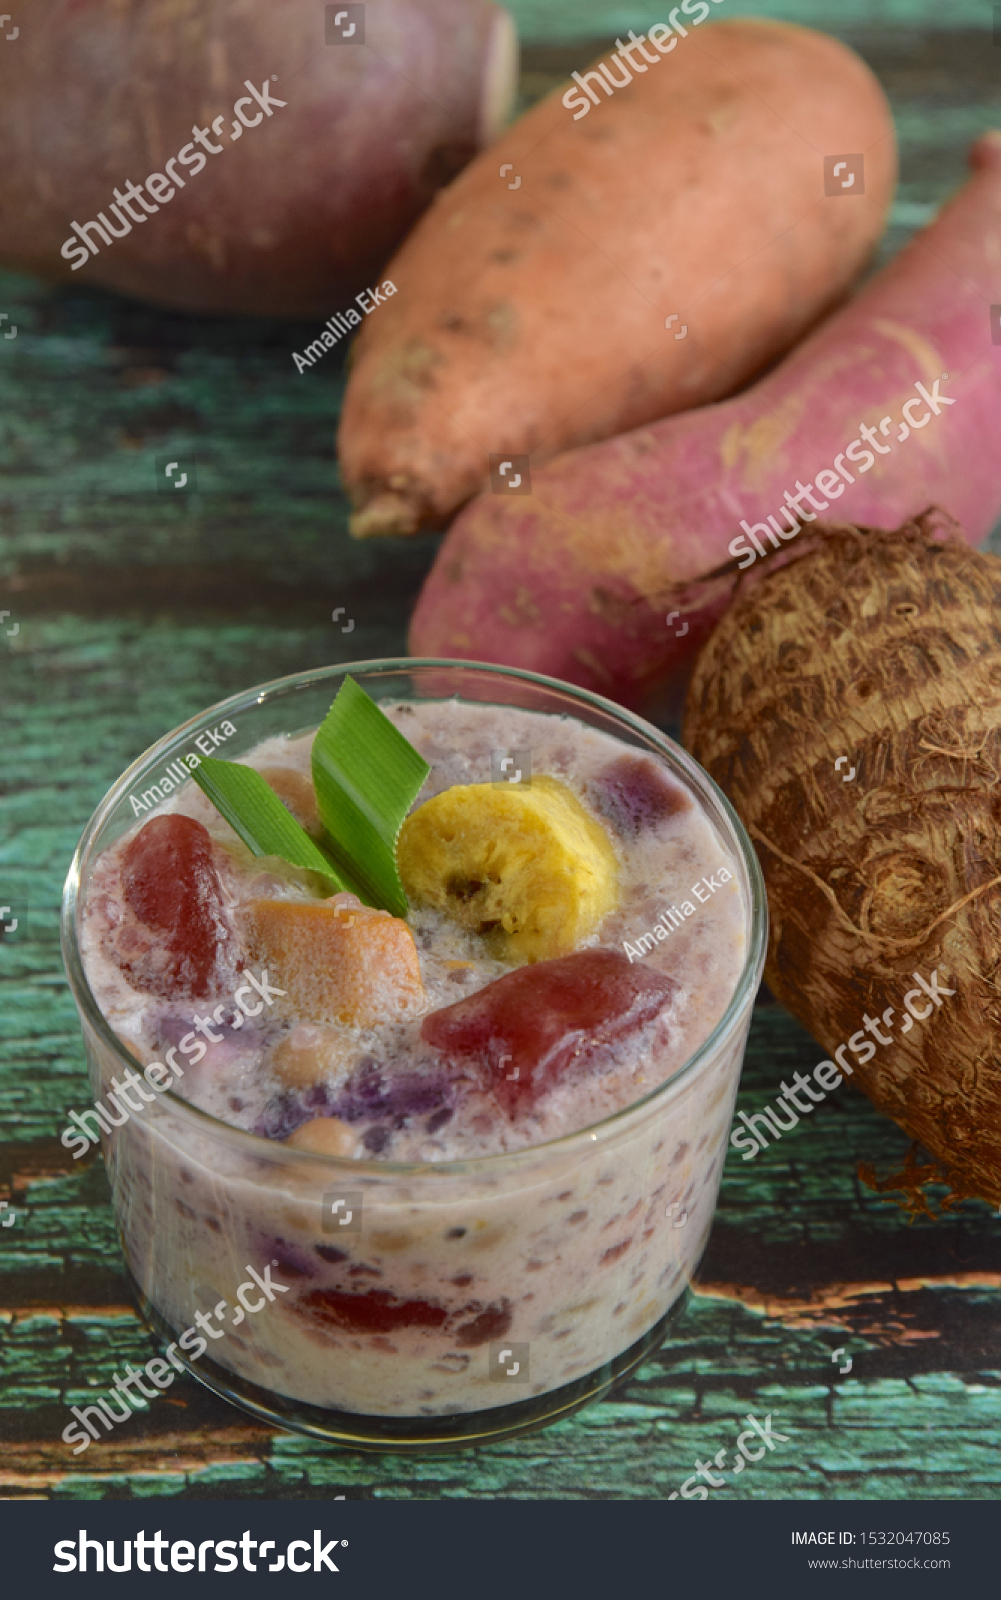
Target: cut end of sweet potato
x,y
337,962
386,515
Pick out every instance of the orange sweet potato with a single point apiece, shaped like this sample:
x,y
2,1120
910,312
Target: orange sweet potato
x,y
337,960
533,321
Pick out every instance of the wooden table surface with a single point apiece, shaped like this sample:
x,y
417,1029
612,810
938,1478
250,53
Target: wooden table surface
x,y
134,611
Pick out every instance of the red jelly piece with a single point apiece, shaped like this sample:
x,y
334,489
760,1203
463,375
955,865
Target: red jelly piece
x,y
378,1311
633,794
529,1027
171,885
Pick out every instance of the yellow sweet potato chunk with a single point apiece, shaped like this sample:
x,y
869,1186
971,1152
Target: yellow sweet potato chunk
x,y
525,865
340,962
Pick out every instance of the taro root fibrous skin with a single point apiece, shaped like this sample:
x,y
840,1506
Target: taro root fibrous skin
x,y
885,648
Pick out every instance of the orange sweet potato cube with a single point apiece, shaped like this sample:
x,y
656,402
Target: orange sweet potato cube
x,y
340,962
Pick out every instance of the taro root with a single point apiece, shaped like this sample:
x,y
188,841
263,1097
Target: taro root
x,y
883,648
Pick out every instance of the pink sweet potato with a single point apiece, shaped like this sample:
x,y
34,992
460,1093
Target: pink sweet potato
x,y
305,208
581,580
534,321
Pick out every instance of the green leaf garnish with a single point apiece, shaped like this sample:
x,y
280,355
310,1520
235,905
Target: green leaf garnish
x,y
366,776
254,811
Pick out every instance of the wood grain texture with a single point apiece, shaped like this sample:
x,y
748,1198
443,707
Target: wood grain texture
x,y
135,611
542,20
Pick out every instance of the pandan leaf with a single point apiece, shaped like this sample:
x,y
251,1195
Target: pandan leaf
x,y
366,776
254,811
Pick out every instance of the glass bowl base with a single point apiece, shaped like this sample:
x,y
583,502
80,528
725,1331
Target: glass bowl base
x,y
410,1435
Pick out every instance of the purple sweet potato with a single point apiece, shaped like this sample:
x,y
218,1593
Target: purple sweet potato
x,y
595,577
354,140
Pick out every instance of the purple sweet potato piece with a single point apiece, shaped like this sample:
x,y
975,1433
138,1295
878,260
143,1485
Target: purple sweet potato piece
x,y
290,215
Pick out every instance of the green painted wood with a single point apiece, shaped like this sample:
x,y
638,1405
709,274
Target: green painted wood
x,y
135,611
542,20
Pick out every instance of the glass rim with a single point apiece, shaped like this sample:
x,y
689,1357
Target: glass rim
x,y
372,1168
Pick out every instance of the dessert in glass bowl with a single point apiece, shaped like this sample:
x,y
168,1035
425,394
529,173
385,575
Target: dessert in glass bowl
x,y
443,1008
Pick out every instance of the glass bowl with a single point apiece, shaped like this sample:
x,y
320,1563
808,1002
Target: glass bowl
x,y
500,1293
